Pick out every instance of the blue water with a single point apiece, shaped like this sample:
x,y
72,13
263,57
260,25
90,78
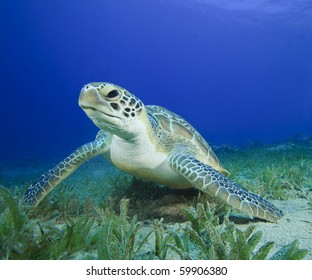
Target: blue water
x,y
237,70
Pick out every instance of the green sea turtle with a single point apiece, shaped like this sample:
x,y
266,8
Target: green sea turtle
x,y
152,143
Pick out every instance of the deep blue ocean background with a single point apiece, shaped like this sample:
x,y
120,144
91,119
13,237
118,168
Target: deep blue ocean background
x,y
237,70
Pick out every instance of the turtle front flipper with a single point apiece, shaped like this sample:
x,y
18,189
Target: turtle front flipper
x,y
50,179
208,180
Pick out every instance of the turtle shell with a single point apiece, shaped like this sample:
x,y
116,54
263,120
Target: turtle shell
x,y
177,135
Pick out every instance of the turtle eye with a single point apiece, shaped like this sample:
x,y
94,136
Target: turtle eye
x,y
112,93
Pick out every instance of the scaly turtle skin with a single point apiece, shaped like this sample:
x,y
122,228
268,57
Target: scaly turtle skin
x,y
154,144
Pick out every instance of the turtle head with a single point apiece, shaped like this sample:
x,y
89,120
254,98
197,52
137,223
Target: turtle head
x,y
113,109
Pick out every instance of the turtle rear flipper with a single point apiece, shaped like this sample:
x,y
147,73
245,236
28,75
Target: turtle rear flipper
x,y
50,179
208,180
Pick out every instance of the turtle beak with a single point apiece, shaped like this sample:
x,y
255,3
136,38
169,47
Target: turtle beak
x,y
89,98
96,107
